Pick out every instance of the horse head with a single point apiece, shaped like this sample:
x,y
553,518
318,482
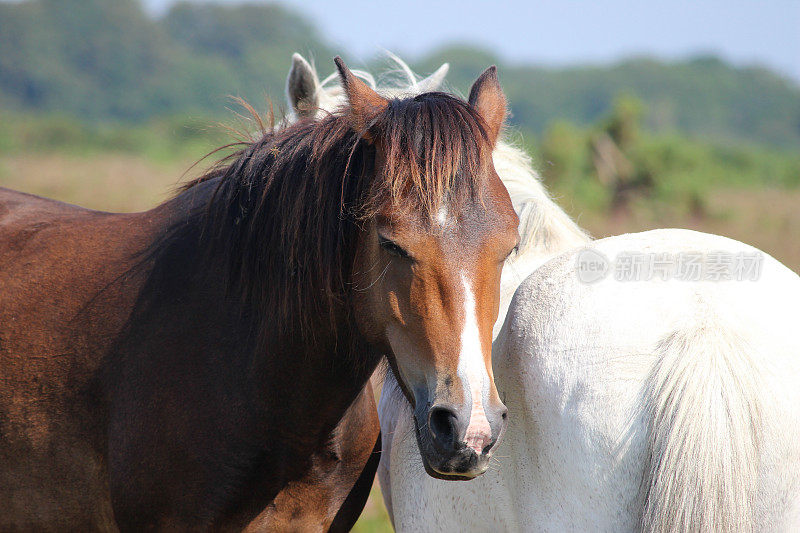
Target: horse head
x,y
427,270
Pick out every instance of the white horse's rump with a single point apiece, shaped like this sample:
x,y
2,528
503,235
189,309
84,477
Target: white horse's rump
x,y
703,401
655,405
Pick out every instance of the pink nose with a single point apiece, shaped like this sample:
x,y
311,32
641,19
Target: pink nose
x,y
479,432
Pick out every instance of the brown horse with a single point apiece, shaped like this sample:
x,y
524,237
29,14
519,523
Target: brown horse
x,y
203,365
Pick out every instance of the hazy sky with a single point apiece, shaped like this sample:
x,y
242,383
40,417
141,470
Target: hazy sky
x,y
561,32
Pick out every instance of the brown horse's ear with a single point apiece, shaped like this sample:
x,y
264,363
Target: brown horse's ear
x,y
365,103
488,99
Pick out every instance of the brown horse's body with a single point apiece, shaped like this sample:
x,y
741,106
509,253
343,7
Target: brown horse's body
x,y
206,365
66,296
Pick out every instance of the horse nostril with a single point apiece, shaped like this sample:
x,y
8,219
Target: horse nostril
x,y
442,424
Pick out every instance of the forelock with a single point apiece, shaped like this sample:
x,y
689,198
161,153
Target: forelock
x,y
436,149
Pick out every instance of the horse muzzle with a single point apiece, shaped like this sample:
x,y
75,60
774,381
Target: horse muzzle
x,y
453,444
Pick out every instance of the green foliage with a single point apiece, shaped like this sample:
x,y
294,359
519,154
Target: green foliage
x,y
106,60
92,58
623,125
168,138
666,169
565,165
250,44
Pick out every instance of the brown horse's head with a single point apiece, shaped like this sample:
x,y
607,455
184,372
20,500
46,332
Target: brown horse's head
x,y
378,229
426,274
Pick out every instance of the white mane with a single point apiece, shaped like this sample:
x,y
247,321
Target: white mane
x,y
544,228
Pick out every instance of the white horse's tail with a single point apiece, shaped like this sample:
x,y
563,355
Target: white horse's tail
x,y
704,408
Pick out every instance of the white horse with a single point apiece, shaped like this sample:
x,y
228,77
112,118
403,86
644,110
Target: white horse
x,y
637,400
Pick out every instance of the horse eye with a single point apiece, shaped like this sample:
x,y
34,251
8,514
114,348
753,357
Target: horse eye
x,y
513,251
392,247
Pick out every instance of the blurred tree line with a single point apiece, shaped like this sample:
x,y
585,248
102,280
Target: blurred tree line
x,y
107,60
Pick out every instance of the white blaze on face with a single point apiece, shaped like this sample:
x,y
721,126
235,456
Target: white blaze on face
x,y
441,216
472,371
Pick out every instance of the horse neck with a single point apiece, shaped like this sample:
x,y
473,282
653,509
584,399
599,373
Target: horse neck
x,y
545,230
257,356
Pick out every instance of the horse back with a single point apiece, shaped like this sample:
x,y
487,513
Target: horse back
x,y
56,260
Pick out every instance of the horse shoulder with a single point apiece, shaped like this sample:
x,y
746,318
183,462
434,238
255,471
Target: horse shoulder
x,y
332,493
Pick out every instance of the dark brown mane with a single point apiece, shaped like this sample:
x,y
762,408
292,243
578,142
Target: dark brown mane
x,y
287,207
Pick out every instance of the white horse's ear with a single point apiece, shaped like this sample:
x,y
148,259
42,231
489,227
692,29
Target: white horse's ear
x,y
302,87
434,81
488,99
